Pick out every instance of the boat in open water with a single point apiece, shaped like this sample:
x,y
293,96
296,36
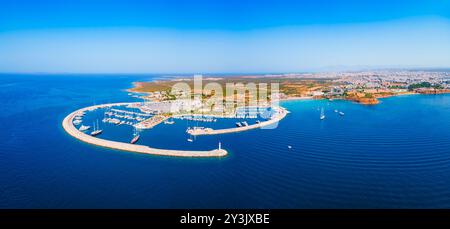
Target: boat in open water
x,y
322,114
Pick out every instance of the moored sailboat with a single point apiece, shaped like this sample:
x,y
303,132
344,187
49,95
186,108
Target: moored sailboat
x,y
136,136
97,130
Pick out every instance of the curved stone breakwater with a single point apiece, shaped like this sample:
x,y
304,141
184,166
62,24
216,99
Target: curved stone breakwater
x,y
73,131
208,131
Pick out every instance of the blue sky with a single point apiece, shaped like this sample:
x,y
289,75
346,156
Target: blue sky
x,y
102,36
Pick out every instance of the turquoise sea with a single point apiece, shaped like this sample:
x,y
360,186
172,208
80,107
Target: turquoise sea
x,y
392,155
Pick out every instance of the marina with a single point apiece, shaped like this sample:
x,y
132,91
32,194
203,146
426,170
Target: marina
x,y
73,131
127,114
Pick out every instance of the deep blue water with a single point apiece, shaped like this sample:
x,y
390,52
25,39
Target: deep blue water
x,y
392,155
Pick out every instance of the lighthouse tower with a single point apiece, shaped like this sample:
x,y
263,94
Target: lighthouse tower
x,y
220,146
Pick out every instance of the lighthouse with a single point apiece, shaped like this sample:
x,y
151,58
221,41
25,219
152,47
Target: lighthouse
x,y
220,146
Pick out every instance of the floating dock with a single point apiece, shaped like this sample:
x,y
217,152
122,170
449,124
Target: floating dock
x,y
151,122
74,132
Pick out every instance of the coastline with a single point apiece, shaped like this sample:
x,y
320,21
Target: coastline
x,y
357,99
376,100
68,126
297,98
359,102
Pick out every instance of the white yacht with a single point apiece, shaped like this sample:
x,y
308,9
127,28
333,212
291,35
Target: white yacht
x,y
96,131
136,136
322,114
169,122
84,128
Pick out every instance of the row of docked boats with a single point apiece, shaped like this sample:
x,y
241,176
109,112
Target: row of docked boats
x,y
117,121
197,119
132,113
96,128
124,116
241,124
95,125
98,131
245,116
78,119
115,116
121,117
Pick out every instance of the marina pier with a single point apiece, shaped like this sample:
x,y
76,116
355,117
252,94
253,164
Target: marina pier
x,y
281,113
151,122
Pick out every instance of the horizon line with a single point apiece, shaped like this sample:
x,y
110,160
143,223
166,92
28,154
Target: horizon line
x,y
350,69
